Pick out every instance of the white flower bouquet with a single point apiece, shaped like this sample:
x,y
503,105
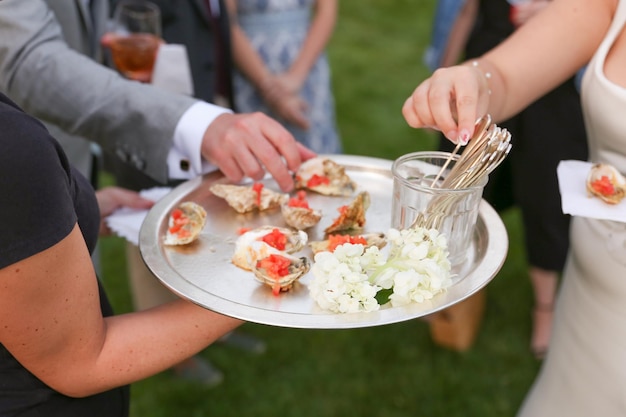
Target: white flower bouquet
x,y
354,278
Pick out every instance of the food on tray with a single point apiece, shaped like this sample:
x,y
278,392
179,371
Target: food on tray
x,y
280,270
351,217
246,198
324,176
259,243
606,183
298,214
185,224
366,239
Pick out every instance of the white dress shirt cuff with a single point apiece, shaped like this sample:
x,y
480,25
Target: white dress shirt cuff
x,y
184,160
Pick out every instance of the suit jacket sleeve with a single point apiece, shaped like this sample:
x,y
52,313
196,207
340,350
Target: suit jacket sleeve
x,y
59,85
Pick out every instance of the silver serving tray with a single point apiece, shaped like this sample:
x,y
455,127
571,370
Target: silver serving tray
x,y
202,272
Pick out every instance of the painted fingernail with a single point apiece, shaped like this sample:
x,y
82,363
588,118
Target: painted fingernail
x,y
452,135
464,137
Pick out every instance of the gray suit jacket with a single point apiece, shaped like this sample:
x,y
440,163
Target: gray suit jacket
x,y
48,69
188,22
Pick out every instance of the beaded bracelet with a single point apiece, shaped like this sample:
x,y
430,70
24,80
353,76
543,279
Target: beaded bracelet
x,y
487,74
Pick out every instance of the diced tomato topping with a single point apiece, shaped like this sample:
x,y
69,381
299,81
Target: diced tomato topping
x,y
337,240
299,200
258,187
243,230
178,221
316,180
276,289
275,266
603,186
275,239
183,233
342,210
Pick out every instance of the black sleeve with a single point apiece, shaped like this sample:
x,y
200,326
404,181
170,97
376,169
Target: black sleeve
x,y
36,201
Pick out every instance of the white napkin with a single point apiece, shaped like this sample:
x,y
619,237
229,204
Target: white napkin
x,y
574,198
126,222
171,69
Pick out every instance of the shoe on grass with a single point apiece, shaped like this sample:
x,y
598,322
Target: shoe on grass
x,y
244,342
199,370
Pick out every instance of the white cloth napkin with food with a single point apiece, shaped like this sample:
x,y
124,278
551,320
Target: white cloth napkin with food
x,y
574,197
126,222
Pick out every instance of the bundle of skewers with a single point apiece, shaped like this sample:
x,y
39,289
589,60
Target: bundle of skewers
x,y
486,149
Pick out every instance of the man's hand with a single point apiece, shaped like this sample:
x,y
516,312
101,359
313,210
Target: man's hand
x,y
249,144
112,198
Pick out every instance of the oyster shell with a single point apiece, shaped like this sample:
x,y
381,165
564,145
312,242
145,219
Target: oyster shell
x,y
280,271
606,183
324,176
246,198
298,214
352,216
371,239
185,224
259,243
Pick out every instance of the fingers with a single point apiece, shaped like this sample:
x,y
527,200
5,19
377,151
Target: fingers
x,y
448,101
113,198
305,154
293,111
107,39
279,143
132,199
248,145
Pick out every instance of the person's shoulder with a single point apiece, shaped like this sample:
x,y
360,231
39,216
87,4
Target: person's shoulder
x,y
16,123
26,143
20,130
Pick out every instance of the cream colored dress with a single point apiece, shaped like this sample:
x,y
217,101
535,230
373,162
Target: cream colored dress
x,y
584,373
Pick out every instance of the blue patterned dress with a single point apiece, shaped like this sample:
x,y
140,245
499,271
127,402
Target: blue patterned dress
x,y
277,29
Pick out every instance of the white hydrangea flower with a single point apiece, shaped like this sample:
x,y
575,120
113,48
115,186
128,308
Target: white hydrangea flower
x,y
349,279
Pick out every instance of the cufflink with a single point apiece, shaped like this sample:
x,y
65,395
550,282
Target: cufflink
x,y
184,165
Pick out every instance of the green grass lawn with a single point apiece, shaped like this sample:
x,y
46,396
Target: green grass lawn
x,y
388,371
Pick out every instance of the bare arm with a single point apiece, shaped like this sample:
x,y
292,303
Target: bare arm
x,y
245,56
539,56
317,38
285,102
67,343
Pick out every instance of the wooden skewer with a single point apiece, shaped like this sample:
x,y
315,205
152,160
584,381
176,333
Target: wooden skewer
x,y
445,165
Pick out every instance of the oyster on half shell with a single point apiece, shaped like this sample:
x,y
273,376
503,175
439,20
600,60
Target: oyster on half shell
x,y
259,243
185,223
300,217
606,183
351,217
246,198
324,176
366,239
298,214
280,271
